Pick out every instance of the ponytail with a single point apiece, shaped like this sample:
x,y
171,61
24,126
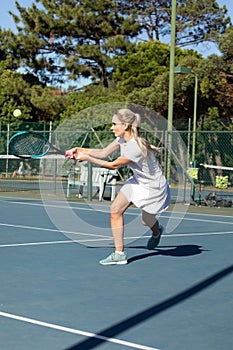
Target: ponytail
x,y
134,121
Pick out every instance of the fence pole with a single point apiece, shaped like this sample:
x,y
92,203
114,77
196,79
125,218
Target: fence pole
x,y
7,148
89,182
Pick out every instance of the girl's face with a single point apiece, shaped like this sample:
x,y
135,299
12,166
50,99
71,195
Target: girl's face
x,y
118,128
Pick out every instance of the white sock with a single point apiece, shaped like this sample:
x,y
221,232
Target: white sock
x,y
120,253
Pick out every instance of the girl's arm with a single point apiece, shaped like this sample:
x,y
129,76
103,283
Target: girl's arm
x,y
96,152
115,164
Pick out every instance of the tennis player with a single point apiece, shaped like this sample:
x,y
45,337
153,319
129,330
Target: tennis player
x,y
147,188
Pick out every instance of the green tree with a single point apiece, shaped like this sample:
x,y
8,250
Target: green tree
x,y
216,88
138,68
48,102
225,43
70,39
91,96
20,91
197,21
144,77
10,61
13,94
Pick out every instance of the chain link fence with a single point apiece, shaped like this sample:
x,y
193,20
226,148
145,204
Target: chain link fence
x,y
191,180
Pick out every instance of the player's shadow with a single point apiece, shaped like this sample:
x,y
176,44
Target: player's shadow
x,y
177,251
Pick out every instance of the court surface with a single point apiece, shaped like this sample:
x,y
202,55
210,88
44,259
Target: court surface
x,y
54,295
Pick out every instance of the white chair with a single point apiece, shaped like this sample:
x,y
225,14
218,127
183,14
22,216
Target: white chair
x,y
101,178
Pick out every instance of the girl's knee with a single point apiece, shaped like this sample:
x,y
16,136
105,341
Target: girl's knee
x,y
115,210
119,205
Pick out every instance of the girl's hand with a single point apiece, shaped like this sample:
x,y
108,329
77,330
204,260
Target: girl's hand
x,y
70,153
81,156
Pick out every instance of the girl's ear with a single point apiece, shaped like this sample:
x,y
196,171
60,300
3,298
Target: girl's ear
x,y
126,126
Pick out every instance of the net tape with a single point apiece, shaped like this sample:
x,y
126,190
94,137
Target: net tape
x,y
218,167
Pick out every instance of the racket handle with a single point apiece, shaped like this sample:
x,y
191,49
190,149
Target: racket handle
x,y
68,154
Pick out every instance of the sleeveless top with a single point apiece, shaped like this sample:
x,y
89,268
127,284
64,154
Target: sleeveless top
x,y
147,188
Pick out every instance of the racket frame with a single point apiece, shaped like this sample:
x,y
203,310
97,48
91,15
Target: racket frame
x,y
36,156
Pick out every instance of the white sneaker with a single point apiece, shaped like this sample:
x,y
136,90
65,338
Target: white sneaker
x,y
115,259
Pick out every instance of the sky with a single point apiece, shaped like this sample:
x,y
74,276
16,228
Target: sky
x,y
6,21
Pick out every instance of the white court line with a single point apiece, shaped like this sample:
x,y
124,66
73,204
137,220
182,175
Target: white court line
x,y
102,237
109,239
52,230
106,237
33,244
201,220
198,234
52,242
75,331
176,215
62,206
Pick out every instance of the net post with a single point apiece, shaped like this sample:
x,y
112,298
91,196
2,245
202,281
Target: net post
x,y
192,185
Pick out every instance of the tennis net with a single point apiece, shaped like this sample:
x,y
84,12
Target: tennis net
x,y
216,182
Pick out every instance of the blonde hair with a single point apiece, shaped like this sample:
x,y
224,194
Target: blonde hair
x,y
134,123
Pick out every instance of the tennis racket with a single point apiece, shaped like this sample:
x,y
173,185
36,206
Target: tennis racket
x,y
32,145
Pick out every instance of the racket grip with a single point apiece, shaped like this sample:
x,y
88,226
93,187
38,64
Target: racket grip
x,y
68,154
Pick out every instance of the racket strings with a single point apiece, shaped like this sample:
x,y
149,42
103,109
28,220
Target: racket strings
x,y
28,145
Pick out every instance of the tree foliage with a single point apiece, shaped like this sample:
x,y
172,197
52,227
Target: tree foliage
x,y
216,79
199,21
138,69
226,45
57,40
13,94
196,21
70,39
92,95
24,92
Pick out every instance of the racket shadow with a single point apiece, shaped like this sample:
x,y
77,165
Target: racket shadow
x,y
143,315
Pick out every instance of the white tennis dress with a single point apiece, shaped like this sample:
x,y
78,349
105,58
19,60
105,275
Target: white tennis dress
x,y
147,188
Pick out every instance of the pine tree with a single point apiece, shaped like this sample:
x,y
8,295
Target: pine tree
x,y
71,39
197,20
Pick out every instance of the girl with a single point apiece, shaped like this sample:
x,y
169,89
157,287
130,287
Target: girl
x,y
147,188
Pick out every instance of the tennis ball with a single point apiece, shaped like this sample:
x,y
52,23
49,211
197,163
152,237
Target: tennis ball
x,y
17,113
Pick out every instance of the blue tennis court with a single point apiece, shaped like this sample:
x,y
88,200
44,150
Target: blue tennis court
x,y
55,295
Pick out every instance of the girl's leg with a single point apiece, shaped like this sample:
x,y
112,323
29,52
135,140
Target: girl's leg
x,y
117,209
151,221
